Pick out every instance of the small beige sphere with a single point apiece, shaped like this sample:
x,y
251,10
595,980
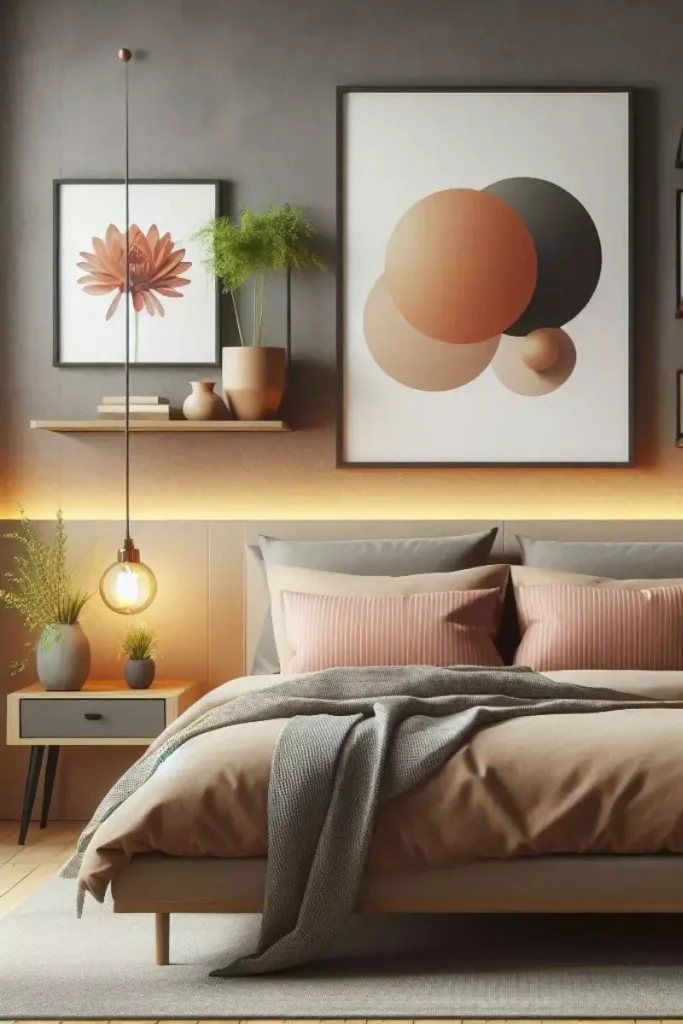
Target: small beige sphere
x,y
541,348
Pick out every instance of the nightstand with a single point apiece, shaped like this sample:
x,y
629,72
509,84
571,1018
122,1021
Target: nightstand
x,y
104,712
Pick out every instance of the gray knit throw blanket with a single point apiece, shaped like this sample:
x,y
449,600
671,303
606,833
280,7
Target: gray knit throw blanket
x,y
356,738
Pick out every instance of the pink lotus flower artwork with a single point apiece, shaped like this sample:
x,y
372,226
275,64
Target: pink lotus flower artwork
x,y
156,269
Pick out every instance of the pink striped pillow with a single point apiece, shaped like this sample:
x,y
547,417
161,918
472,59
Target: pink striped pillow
x,y
454,627
567,627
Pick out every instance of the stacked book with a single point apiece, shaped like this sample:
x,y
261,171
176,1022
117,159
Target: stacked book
x,y
140,407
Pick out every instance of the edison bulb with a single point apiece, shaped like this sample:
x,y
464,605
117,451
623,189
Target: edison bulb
x,y
128,587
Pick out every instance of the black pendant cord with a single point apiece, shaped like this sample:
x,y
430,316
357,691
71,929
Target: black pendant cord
x,y
127,297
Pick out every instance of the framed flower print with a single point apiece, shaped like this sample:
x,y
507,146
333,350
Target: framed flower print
x,y
174,301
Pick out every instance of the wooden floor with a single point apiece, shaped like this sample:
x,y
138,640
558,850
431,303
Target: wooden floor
x,y
23,869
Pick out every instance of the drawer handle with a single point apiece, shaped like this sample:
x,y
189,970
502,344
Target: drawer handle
x,y
93,716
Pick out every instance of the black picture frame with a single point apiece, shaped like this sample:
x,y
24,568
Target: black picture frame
x,y
345,90
678,163
57,185
679,408
679,256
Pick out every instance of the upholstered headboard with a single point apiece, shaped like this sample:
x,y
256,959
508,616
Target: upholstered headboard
x,y
505,549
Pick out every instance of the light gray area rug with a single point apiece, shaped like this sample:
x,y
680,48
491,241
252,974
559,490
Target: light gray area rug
x,y
56,967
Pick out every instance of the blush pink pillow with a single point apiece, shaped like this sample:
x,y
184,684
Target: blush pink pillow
x,y
455,627
568,627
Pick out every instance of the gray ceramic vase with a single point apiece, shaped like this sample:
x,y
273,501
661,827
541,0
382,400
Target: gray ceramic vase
x,y
63,658
139,673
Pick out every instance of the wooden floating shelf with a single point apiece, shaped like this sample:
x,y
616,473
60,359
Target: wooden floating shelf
x,y
103,426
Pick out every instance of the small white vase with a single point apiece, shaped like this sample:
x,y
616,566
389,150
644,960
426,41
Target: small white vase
x,y
63,657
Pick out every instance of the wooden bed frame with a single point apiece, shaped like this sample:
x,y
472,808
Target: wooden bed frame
x,y
559,884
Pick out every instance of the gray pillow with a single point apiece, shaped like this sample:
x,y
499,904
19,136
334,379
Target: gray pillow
x,y
398,556
620,560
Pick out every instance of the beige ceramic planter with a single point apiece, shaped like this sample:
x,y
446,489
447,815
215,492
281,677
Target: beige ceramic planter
x,y
254,381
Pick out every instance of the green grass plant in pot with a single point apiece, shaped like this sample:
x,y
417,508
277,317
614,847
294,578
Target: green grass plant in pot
x,y
139,646
244,253
41,588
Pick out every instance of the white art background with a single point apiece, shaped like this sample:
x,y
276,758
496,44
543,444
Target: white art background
x,y
400,147
187,332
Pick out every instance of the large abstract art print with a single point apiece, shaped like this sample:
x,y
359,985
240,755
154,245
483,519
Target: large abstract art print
x,y
484,277
172,299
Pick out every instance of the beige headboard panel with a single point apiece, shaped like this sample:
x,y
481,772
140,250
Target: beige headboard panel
x,y
505,549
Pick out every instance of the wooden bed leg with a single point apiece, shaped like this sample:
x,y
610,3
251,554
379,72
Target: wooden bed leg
x,y
162,930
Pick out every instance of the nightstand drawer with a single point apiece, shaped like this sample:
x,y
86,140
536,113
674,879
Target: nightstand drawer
x,y
81,718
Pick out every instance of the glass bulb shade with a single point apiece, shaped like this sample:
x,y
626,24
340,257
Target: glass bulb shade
x,y
128,587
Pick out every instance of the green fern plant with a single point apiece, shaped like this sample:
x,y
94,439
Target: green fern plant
x,y
259,243
40,586
139,643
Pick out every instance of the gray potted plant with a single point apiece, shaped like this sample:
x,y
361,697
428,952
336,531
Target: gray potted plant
x,y
139,646
41,588
247,251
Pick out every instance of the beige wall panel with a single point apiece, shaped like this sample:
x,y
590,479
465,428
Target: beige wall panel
x,y
225,625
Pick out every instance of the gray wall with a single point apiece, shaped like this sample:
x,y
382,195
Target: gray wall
x,y
244,90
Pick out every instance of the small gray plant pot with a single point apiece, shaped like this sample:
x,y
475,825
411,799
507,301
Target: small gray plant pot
x,y
63,657
139,673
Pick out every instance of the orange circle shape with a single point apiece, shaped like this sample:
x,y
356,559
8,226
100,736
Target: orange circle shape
x,y
461,266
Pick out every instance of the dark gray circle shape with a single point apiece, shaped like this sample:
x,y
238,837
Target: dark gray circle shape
x,y
567,248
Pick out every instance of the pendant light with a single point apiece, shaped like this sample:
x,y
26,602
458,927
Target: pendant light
x,y
127,586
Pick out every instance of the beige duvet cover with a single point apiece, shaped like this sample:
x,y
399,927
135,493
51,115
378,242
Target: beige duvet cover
x,y
601,783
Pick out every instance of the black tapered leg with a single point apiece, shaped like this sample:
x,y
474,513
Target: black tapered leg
x,y
50,772
34,765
